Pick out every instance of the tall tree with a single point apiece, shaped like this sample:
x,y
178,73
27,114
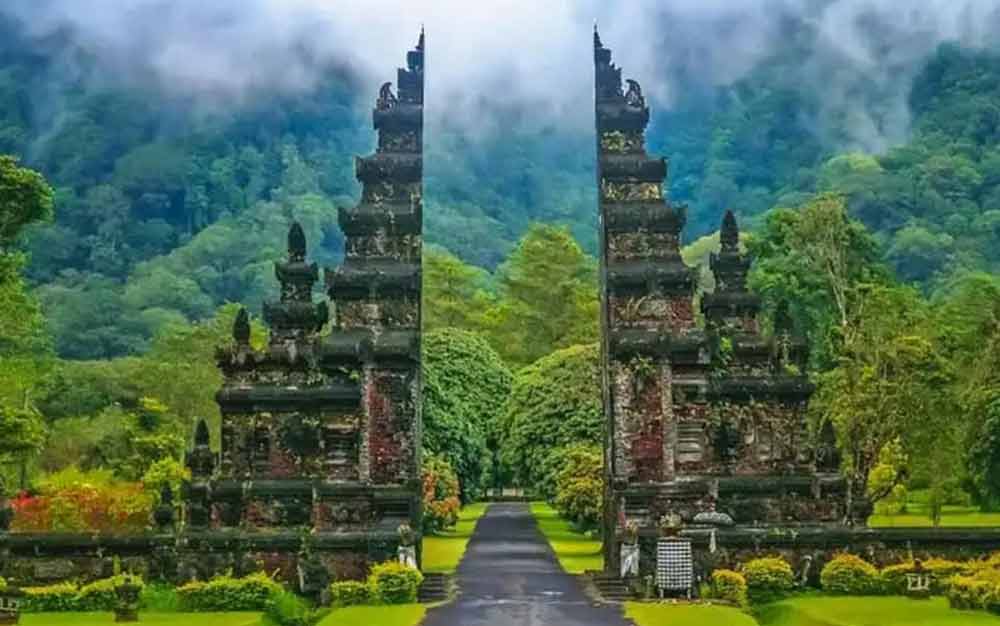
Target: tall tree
x,y
547,296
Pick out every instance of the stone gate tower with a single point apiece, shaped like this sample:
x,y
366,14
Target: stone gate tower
x,y
320,441
702,418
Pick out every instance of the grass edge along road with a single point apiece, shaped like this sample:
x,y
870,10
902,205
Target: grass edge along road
x,y
577,553
444,551
391,615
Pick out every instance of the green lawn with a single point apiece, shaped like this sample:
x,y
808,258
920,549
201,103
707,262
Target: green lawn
x,y
442,552
819,611
577,553
644,614
399,615
967,516
814,611
157,619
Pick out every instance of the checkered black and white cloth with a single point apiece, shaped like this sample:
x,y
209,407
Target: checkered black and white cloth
x,y
674,565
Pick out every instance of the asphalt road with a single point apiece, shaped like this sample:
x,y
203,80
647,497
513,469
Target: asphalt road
x,y
510,576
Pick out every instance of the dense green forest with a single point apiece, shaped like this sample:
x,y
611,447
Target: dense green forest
x,y
117,281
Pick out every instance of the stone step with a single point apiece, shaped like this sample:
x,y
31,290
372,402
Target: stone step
x,y
435,588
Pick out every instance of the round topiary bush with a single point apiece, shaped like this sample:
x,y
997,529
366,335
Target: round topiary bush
x,y
848,574
394,583
728,586
768,579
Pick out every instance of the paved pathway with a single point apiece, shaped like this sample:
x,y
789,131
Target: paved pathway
x,y
510,576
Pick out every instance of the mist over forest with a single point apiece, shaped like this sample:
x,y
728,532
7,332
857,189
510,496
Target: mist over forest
x,y
176,135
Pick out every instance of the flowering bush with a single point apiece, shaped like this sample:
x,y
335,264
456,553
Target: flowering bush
x,y
768,579
440,488
72,500
847,574
225,593
728,586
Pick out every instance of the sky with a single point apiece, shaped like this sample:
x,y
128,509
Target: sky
x,y
534,55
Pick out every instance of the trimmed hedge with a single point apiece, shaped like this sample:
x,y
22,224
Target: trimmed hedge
x,y
66,597
394,583
978,591
728,586
850,575
349,593
225,593
768,579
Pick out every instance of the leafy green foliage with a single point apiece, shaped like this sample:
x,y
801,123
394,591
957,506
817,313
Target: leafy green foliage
x,y
394,583
579,484
547,296
555,402
468,385
850,575
285,608
25,198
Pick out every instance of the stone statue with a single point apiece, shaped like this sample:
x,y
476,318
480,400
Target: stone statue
x,y
386,99
633,97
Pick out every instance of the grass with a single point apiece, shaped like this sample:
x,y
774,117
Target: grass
x,y
156,619
892,611
443,551
644,614
918,515
576,551
964,516
397,615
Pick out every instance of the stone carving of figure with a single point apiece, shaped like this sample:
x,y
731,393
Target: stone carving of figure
x,y
633,97
386,99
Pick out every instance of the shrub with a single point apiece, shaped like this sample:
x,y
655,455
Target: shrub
x,y
440,490
284,608
225,593
768,579
580,484
847,574
62,597
50,598
941,570
978,591
159,598
394,583
100,594
349,593
728,586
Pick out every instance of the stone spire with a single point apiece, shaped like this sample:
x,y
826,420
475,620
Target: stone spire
x,y
295,316
730,266
241,328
